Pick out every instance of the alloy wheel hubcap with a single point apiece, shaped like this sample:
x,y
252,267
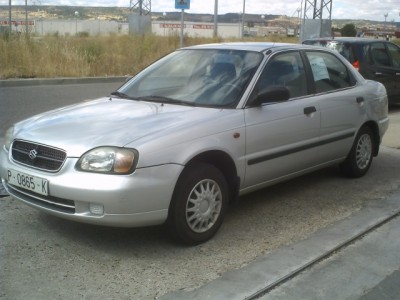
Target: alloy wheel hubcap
x,y
203,205
363,151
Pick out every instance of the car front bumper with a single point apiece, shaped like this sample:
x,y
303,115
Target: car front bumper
x,y
138,199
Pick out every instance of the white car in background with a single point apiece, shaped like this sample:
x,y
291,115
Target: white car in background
x,y
194,131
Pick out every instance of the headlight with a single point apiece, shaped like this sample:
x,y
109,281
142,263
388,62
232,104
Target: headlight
x,y
111,160
9,137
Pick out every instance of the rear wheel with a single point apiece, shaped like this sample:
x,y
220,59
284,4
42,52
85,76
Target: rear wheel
x,y
198,205
359,159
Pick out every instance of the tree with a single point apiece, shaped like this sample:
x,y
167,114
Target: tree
x,y
348,30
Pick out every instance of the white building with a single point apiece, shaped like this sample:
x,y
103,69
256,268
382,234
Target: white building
x,y
158,27
73,27
196,29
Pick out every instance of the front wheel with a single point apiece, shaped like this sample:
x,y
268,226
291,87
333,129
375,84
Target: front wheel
x,y
198,205
359,159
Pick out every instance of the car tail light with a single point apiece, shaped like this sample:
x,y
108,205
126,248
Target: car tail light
x,y
356,65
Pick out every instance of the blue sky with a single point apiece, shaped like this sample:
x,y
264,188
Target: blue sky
x,y
341,9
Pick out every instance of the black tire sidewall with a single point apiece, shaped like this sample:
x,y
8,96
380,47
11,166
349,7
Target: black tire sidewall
x,y
349,167
190,177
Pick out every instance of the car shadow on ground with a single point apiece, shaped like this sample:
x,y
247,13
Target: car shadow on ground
x,y
273,216
268,214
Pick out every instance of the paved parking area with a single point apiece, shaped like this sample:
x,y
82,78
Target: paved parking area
x,y
43,257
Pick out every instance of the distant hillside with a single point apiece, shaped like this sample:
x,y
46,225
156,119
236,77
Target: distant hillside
x,y
122,13
118,13
67,12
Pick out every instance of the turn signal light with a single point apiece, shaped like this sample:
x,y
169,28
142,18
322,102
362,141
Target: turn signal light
x,y
96,209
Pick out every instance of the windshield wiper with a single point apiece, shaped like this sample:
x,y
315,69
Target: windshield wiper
x,y
120,95
162,99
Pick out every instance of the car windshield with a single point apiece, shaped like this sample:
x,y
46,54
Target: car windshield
x,y
200,77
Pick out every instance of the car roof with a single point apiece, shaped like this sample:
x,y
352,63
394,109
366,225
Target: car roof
x,y
248,46
347,39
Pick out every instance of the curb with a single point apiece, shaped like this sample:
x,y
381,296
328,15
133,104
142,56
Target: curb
x,y
274,268
58,81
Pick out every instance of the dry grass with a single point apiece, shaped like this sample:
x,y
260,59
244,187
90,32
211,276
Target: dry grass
x,y
56,56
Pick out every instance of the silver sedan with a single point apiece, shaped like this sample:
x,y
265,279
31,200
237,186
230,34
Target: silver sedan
x,y
194,131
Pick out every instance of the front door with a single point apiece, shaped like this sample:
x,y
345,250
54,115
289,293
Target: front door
x,y
280,135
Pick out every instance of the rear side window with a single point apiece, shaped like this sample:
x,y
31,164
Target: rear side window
x,y
329,72
394,52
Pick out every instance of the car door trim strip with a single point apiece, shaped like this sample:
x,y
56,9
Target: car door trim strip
x,y
263,158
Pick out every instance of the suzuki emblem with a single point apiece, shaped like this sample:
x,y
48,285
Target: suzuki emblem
x,y
32,154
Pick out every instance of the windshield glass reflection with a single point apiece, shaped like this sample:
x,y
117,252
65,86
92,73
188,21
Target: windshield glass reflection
x,y
195,77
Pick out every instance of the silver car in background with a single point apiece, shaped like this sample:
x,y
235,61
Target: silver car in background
x,y
194,131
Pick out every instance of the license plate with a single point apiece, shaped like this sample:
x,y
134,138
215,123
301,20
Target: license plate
x,y
28,182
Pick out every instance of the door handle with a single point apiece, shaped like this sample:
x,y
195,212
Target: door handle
x,y
360,100
309,110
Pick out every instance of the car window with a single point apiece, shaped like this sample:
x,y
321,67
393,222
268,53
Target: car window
x,y
394,52
284,70
346,49
367,54
330,44
379,54
196,77
328,71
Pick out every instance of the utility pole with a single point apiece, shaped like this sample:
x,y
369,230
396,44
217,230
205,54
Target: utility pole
x,y
320,10
9,17
244,12
215,34
142,6
26,17
182,25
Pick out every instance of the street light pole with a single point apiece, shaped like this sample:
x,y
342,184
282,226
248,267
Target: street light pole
x,y
385,15
76,22
299,22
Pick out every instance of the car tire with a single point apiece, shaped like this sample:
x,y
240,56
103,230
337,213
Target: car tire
x,y
360,157
198,204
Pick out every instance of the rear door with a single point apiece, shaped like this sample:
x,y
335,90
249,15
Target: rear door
x,y
341,104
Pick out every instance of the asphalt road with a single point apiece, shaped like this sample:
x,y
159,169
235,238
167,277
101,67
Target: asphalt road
x,y
43,257
20,102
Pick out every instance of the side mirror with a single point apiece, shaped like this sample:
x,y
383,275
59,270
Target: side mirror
x,y
271,94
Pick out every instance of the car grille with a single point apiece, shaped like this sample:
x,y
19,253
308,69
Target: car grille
x,y
38,156
49,202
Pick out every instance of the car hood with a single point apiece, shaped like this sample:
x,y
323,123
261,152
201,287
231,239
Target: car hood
x,y
106,122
